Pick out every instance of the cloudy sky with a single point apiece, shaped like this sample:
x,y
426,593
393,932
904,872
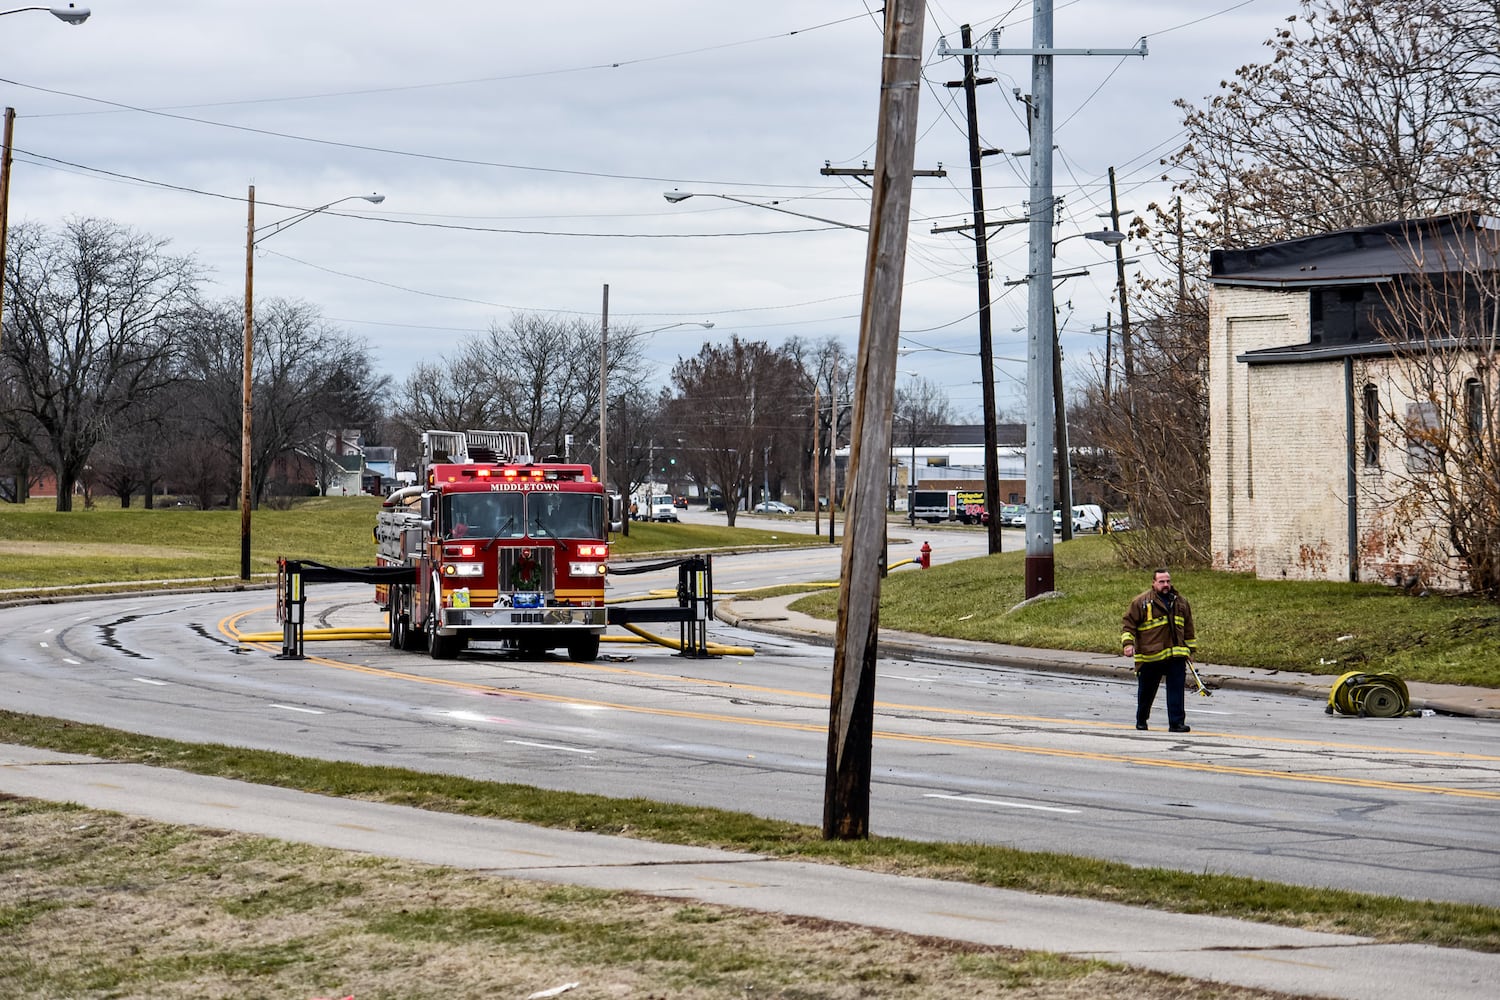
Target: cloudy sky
x,y
523,151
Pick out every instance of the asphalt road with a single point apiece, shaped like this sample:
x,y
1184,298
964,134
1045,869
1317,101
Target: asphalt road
x,y
1266,786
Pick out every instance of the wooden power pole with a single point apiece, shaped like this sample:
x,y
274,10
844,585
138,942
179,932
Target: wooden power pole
x,y
982,268
851,723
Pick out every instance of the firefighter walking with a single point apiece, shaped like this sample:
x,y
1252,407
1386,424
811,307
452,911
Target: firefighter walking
x,y
1157,631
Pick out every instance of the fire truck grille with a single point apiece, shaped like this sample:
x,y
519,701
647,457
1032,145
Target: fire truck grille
x,y
527,569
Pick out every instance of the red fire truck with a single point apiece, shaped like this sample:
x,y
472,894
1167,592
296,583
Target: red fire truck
x,y
502,549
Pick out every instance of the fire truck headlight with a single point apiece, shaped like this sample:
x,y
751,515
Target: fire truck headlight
x,y
586,568
463,569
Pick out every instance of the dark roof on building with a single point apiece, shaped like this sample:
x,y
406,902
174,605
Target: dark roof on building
x,y
1006,435
1461,241
1298,353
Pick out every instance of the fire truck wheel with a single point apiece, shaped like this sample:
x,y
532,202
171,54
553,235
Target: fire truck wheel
x,y
443,647
403,636
584,648
439,647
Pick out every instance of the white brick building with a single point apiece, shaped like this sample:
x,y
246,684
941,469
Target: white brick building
x,y
1308,452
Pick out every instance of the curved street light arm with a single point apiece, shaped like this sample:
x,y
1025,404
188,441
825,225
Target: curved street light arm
x,y
675,196
672,326
272,228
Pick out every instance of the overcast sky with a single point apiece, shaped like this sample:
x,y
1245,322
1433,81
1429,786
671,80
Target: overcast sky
x,y
523,150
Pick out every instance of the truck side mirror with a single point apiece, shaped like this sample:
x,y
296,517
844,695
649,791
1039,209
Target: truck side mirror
x,y
427,506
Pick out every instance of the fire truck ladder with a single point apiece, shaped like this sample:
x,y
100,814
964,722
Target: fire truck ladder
x,y
695,603
464,447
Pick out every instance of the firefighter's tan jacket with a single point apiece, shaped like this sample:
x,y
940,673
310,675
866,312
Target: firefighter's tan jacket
x,y
1155,633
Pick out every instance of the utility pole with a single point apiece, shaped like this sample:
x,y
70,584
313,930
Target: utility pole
x,y
1039,317
1060,436
851,723
247,376
817,507
1127,357
1041,336
10,125
982,268
604,403
833,446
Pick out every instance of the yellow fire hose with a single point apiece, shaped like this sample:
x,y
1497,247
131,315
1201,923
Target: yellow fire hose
x,y
335,634
1379,696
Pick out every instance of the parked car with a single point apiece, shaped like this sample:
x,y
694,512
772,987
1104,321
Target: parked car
x,y
1013,515
774,507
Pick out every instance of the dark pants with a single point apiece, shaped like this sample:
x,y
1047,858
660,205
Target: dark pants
x,y
1149,678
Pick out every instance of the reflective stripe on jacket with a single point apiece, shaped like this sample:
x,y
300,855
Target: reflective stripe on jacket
x,y
1156,633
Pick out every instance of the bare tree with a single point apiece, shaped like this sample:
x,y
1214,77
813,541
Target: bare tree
x,y
921,411
309,379
446,395
826,367
1366,111
733,397
20,461
547,371
89,309
1154,427
635,415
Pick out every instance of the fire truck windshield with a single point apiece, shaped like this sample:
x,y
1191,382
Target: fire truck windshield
x,y
565,515
485,515
518,515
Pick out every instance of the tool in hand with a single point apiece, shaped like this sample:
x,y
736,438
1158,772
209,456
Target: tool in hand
x,y
1202,688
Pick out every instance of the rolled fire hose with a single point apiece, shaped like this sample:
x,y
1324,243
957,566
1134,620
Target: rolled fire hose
x,y
1380,696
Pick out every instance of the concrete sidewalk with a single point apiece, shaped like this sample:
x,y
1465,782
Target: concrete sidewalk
x,y
1208,948
774,616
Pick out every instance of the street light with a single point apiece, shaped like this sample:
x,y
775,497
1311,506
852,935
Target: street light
x,y
1109,237
70,14
252,237
675,196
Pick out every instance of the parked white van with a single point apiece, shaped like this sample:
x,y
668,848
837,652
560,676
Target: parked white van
x,y
661,508
1087,517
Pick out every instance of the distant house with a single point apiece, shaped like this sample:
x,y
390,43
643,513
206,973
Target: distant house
x,y
1316,425
380,469
332,465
